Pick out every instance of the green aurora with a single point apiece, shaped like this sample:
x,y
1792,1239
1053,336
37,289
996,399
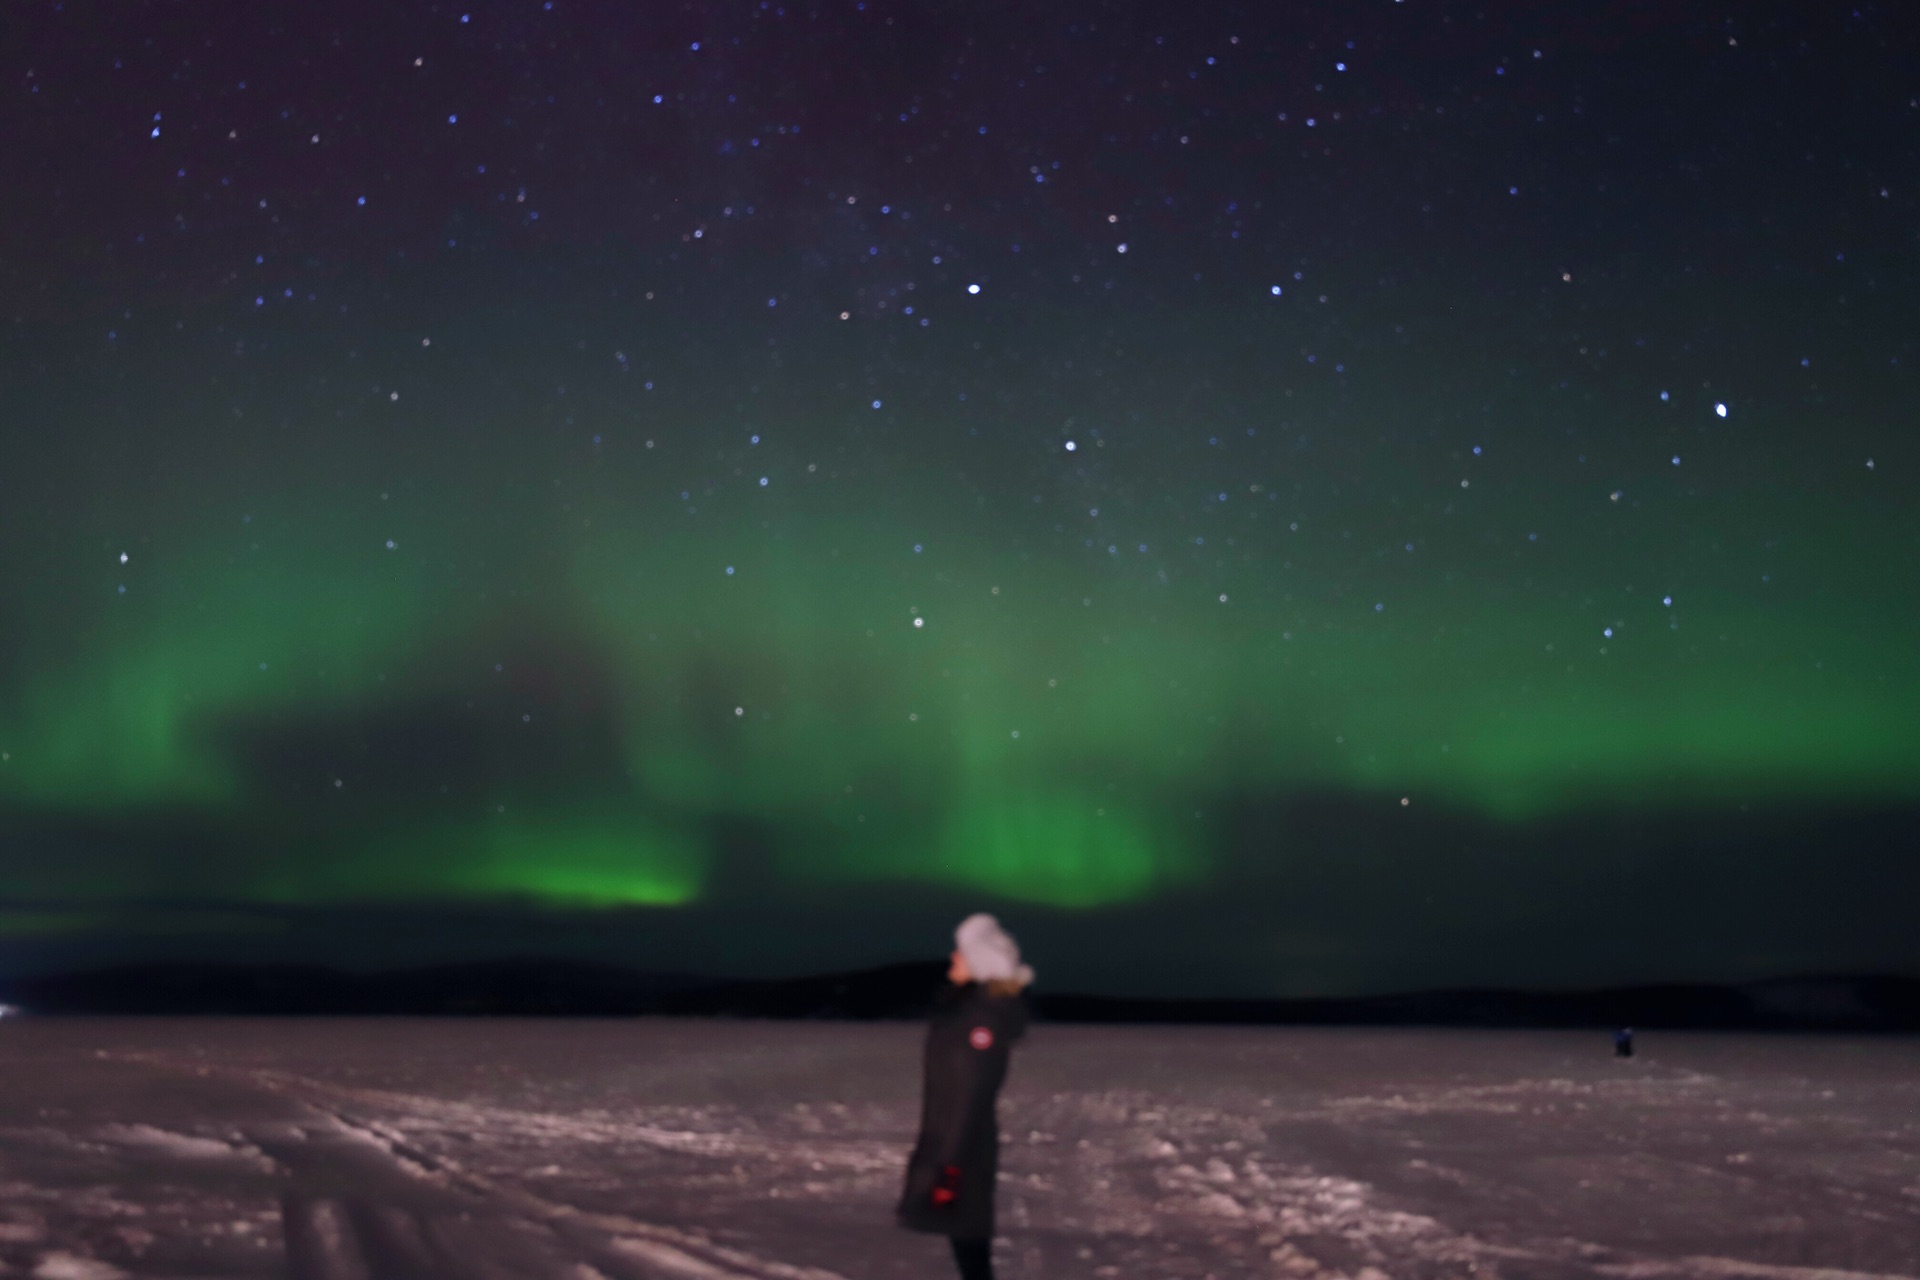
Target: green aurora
x,y
948,688
1269,499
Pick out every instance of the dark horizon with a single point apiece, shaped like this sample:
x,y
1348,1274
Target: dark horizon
x,y
1667,899
518,988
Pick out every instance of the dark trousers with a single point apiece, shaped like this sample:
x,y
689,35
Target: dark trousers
x,y
975,1258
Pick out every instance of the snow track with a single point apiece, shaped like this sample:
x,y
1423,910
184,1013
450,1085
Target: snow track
x,y
397,1150
367,1204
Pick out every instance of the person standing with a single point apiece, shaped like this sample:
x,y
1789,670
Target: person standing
x,y
977,1019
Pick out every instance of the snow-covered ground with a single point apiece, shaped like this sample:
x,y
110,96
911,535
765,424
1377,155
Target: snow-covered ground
x,y
710,1150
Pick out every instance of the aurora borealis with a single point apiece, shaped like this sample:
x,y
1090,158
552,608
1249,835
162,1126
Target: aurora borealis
x,y
1346,499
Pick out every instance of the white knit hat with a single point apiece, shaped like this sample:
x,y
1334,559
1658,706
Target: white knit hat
x,y
990,951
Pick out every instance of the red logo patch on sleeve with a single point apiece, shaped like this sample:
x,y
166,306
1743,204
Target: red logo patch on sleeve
x,y
980,1038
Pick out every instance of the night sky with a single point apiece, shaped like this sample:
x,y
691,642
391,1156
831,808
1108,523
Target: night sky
x,y
1269,498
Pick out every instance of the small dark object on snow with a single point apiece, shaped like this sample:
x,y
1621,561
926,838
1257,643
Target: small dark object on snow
x,y
1623,1043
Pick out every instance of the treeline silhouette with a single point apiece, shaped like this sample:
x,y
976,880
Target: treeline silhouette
x,y
550,988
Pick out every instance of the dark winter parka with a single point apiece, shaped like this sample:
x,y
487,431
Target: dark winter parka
x,y
950,1176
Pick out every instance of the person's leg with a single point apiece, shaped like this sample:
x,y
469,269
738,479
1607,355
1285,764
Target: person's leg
x,y
975,1258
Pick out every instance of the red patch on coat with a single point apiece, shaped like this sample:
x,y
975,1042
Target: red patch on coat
x,y
980,1038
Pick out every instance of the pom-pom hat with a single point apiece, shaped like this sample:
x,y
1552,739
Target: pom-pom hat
x,y
990,951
